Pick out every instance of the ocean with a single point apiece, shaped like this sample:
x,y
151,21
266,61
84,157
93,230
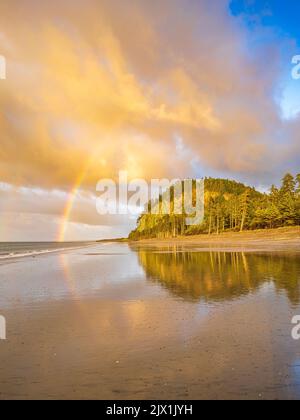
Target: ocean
x,y
23,249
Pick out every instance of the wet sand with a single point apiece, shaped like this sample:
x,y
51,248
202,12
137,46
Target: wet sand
x,y
93,324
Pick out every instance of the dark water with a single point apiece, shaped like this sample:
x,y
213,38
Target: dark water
x,y
113,321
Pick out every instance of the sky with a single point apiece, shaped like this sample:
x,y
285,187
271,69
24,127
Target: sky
x,y
179,88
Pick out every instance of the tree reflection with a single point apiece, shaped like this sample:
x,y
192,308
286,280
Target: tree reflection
x,y
217,276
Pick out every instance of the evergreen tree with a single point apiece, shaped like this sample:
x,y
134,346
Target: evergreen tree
x,y
229,206
298,184
288,184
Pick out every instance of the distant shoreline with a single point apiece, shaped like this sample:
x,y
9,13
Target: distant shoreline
x,y
102,241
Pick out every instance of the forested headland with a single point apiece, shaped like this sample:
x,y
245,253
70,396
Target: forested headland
x,y
229,206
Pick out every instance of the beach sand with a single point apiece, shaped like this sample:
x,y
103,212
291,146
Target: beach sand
x,y
282,239
91,324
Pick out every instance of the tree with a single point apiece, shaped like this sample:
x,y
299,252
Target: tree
x,y
229,205
287,202
244,207
288,184
298,184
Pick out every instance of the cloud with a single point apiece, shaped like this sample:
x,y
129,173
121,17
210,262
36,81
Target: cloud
x,y
98,86
51,204
120,80
38,216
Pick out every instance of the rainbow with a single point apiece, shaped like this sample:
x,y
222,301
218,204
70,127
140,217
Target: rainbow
x,y
71,199
69,206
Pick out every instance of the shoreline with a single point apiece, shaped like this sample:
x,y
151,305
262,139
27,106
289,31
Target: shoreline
x,y
41,252
281,239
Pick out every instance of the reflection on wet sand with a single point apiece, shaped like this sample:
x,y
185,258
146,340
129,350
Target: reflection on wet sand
x,y
116,323
218,276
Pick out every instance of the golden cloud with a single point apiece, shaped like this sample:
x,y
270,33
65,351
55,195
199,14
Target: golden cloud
x,y
99,86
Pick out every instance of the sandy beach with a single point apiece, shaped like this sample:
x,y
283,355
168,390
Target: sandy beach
x,y
112,322
149,202
282,239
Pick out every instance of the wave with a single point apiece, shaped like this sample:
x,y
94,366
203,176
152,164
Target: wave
x,y
32,253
